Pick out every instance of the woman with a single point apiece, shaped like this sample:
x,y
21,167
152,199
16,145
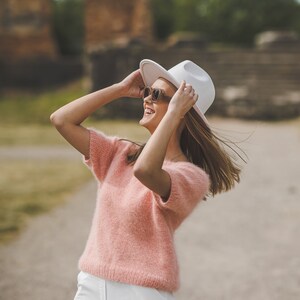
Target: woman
x,y
146,191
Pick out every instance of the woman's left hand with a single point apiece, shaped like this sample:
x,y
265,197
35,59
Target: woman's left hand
x,y
183,100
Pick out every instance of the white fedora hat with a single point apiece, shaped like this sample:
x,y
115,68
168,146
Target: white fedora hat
x,y
188,71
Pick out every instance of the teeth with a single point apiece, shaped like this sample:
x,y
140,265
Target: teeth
x,y
149,111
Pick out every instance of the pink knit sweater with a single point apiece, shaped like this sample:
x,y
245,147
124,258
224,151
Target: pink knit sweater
x,y
131,238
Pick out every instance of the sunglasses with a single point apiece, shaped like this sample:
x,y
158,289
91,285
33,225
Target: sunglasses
x,y
156,94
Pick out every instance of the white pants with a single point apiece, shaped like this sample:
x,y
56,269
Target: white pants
x,y
94,288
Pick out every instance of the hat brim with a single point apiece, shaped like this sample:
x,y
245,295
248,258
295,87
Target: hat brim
x,y
151,71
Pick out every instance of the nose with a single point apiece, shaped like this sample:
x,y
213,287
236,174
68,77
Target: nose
x,y
148,99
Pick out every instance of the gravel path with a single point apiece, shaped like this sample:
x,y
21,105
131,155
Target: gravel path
x,y
243,244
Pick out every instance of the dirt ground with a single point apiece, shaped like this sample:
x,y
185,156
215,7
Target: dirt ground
x,y
243,244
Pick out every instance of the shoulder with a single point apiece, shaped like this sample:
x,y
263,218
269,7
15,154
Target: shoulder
x,y
104,149
97,138
188,176
187,168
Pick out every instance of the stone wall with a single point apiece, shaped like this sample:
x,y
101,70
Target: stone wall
x,y
39,74
249,83
25,30
28,54
110,20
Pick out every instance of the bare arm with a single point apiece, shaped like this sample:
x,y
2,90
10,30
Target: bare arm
x,y
148,167
68,118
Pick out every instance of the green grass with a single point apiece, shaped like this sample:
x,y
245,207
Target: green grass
x,y
29,188
35,134
21,107
31,134
24,117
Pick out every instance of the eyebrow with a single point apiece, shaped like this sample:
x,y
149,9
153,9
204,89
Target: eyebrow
x,y
165,95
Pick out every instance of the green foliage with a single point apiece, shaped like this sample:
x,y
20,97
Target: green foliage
x,y
68,23
229,21
226,21
163,17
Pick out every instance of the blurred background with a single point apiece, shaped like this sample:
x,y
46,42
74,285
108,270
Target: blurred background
x,y
54,51
251,49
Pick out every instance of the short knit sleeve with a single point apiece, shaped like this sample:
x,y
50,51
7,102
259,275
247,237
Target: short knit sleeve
x,y
101,153
189,185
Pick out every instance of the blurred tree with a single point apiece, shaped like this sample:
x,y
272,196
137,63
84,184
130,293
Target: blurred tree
x,y
229,21
163,17
68,23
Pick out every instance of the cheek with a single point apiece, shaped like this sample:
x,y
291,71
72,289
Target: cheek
x,y
162,109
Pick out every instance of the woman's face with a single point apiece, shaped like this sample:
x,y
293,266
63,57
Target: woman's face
x,y
154,111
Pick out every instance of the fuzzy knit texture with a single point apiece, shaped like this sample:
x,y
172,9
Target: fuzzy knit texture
x,y
132,234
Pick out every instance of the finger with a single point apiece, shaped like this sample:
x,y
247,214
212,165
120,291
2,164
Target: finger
x,y
182,86
137,75
188,90
140,80
141,91
195,97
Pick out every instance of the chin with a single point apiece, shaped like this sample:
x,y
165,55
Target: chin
x,y
147,124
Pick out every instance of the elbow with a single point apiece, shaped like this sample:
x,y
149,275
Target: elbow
x,y
138,171
56,120
142,173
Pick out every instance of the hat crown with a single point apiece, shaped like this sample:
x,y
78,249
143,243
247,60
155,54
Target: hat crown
x,y
199,79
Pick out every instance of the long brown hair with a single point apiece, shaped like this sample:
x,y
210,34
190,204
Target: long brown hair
x,y
205,149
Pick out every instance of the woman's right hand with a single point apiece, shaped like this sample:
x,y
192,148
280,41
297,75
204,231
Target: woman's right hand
x,y
133,85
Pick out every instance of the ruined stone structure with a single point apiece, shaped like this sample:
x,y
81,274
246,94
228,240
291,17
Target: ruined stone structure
x,y
249,83
28,53
114,20
256,83
25,30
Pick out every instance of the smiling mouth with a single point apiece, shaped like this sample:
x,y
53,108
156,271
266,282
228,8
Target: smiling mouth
x,y
149,111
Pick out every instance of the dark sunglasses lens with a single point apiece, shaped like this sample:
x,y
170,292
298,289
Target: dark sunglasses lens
x,y
146,92
155,94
